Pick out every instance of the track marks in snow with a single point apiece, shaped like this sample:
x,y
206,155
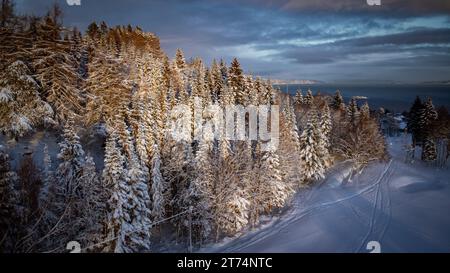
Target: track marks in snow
x,y
301,209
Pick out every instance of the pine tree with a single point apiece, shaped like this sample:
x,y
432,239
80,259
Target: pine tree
x,y
218,83
48,171
298,100
9,205
179,60
325,125
309,99
158,210
291,128
15,36
414,120
72,157
56,68
365,111
274,190
338,101
236,81
21,108
310,152
428,115
138,206
115,179
248,91
129,203
94,204
107,89
353,112
429,153
7,13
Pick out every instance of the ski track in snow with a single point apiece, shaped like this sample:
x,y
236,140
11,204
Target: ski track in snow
x,y
296,215
403,207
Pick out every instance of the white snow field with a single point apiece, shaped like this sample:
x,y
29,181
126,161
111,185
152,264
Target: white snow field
x,y
404,207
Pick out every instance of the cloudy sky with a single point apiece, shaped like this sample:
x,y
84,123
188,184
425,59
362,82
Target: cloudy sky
x,y
335,41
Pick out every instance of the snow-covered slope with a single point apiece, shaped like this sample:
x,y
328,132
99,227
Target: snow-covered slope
x,y
402,206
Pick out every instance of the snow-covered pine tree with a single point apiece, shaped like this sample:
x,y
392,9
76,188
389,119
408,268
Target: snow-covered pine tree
x,y
9,205
236,81
107,89
178,84
21,107
72,157
48,174
265,95
274,190
117,225
429,153
94,204
298,99
56,68
428,115
337,101
248,91
325,125
180,60
15,37
234,190
365,111
414,120
157,190
308,99
198,85
138,206
218,83
291,127
201,187
310,150
209,83
353,112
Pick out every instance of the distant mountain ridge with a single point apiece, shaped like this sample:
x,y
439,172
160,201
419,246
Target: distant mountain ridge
x,y
437,82
306,82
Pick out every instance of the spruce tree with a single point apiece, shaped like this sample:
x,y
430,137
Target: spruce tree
x,y
56,68
429,153
274,190
157,190
298,99
338,101
365,111
309,99
218,83
72,157
414,120
21,107
236,81
310,150
353,112
428,116
325,125
9,205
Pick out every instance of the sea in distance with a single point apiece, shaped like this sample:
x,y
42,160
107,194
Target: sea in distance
x,y
396,98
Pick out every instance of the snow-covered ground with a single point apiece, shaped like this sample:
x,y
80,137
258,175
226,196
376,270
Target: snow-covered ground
x,y
404,207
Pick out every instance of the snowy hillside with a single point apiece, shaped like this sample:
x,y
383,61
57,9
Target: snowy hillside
x,y
402,206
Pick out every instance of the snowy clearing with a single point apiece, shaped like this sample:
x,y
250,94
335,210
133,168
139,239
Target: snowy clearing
x,y
402,206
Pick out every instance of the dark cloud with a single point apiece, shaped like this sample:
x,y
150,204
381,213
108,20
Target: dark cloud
x,y
321,39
